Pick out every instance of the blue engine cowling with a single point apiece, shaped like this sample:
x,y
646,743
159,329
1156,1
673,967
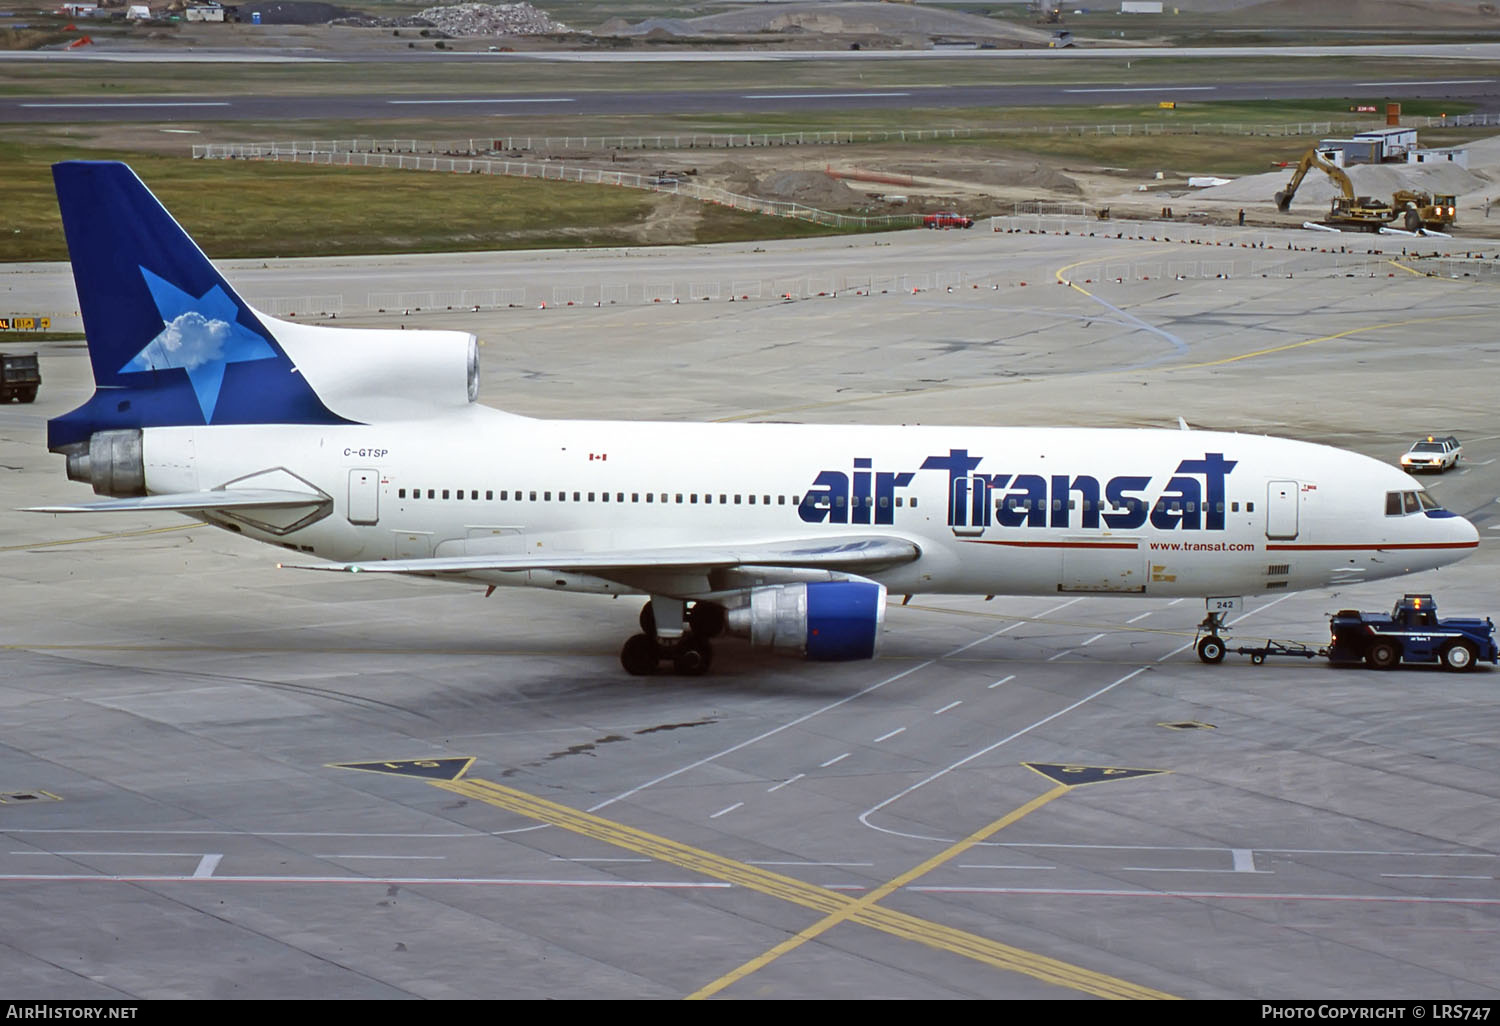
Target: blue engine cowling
x,y
830,621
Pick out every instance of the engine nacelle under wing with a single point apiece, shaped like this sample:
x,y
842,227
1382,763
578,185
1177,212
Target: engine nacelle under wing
x,y
831,621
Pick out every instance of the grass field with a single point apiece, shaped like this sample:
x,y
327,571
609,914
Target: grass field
x,y
254,209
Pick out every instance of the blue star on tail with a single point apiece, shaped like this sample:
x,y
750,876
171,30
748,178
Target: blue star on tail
x,y
199,335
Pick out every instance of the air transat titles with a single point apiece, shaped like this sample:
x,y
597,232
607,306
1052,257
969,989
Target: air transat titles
x,y
1191,500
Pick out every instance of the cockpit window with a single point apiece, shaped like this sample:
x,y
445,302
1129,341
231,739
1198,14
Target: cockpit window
x,y
1399,504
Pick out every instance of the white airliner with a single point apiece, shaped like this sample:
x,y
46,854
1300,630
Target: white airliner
x,y
366,448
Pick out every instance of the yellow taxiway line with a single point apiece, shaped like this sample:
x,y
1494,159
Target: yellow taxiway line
x,y
835,907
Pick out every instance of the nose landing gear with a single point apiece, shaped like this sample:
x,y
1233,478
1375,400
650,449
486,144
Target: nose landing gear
x,y
1210,646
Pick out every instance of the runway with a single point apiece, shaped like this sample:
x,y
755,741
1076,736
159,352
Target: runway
x,y
1480,89
220,779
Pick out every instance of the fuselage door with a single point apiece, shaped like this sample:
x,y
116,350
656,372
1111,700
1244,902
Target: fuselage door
x,y
1281,509
969,506
364,496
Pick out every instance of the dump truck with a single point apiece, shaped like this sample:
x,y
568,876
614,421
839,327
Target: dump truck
x,y
1346,210
1425,210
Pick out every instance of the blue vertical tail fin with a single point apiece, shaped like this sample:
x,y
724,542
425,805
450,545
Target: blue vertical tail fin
x,y
170,341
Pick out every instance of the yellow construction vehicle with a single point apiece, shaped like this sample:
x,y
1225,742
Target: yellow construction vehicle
x,y
1347,210
1425,210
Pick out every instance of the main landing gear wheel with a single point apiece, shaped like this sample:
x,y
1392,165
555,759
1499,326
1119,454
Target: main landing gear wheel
x,y
1211,649
693,658
639,656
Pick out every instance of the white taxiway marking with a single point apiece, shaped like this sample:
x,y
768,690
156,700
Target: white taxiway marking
x,y
141,103
887,737
722,812
1089,642
1002,680
559,858
790,780
818,712
814,96
1398,899
945,708
1133,619
1434,876
1148,89
1172,869
836,758
534,99
419,858
206,866
387,881
865,816
981,865
1066,651
161,854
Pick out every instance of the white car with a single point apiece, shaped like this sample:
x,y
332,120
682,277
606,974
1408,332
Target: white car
x,y
1432,453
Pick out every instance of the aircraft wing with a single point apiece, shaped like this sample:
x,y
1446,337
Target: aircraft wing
x,y
853,554
187,502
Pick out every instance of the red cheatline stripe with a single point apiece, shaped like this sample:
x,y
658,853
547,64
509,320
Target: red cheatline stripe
x,y
1370,548
1054,544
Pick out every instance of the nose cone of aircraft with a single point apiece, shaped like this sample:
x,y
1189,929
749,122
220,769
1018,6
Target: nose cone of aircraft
x,y
1453,533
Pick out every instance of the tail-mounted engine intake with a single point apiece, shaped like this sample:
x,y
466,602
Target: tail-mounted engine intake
x,y
829,620
112,461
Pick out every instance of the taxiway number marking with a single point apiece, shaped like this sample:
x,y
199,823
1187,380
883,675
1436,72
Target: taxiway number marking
x,y
431,769
835,907
1073,775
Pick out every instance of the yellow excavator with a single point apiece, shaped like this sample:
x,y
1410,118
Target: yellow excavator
x,y
1414,209
1346,210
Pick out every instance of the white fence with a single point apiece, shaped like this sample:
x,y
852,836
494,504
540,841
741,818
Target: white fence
x,y
596,176
475,146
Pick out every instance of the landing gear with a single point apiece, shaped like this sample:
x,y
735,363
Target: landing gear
x,y
1211,649
639,656
687,648
1211,646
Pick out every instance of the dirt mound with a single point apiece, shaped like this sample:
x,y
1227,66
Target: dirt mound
x,y
1369,180
810,188
1007,173
732,176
